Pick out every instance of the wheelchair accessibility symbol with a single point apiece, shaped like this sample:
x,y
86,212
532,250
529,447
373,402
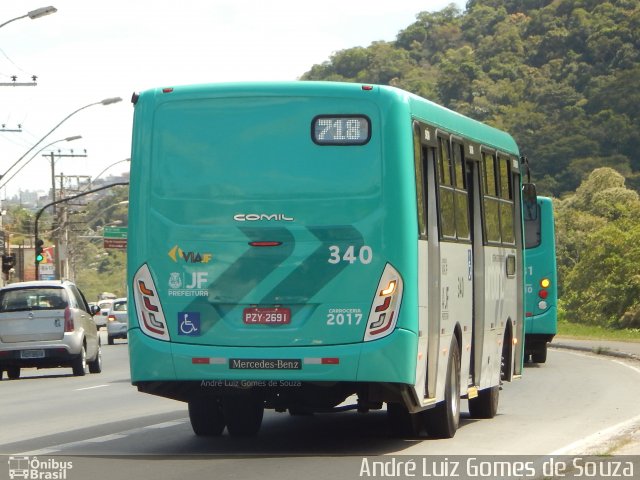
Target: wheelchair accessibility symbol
x,y
189,324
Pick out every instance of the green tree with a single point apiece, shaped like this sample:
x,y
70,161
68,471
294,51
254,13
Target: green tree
x,y
598,250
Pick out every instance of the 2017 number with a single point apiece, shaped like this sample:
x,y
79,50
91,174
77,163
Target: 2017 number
x,y
365,255
340,319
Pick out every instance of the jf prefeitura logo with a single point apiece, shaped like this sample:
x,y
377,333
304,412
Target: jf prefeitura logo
x,y
38,469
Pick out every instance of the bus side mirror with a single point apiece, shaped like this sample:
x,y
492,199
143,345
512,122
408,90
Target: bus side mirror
x,y
530,201
529,193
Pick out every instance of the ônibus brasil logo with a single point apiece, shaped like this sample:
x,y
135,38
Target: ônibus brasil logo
x,y
33,468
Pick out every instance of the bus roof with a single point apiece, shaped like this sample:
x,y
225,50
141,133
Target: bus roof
x,y
423,109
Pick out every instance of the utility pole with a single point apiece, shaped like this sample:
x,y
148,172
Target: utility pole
x,y
15,83
53,156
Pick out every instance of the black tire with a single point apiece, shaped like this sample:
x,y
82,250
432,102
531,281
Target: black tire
x,y
540,354
403,424
95,366
300,412
1,374
485,405
13,373
79,365
206,417
110,340
243,415
444,418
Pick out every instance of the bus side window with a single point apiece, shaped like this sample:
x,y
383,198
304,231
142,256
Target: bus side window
x,y
445,190
491,202
506,201
419,158
461,195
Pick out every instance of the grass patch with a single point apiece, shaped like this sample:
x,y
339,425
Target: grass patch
x,y
576,330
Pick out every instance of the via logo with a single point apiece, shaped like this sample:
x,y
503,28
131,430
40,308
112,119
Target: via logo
x,y
189,324
177,253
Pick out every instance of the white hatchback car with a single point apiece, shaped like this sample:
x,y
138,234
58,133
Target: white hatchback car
x,y
117,320
45,324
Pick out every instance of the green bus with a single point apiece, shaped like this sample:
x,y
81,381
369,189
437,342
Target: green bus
x,y
315,247
541,281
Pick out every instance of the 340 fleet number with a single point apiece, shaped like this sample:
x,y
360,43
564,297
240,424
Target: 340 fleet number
x,y
364,255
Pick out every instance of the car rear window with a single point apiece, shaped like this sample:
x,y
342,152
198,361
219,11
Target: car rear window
x,y
120,307
33,299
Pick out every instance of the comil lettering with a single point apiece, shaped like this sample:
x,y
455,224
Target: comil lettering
x,y
255,217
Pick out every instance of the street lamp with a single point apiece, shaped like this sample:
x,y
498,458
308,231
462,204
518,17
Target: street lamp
x,y
67,139
107,168
106,101
33,14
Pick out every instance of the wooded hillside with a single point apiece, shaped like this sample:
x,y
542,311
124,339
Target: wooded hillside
x,y
562,76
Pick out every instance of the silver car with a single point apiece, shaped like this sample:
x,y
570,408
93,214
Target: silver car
x,y
117,320
46,324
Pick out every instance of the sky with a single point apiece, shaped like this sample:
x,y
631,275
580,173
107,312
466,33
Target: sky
x,y
89,51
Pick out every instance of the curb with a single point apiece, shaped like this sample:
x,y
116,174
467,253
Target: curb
x,y
596,350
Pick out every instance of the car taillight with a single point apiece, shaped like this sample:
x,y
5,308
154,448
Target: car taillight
x,y
385,306
111,318
148,308
68,320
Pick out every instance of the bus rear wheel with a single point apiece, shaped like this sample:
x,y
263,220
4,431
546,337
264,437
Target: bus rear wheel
x,y
540,354
485,405
243,415
206,417
443,420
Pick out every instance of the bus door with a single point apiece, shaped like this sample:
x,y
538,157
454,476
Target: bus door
x,y
428,261
496,265
474,181
455,254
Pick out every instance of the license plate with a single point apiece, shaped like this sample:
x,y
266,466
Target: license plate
x,y
32,354
266,316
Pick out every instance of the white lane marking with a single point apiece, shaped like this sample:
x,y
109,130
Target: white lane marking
x,y
106,438
90,388
595,441
167,424
635,369
103,438
598,439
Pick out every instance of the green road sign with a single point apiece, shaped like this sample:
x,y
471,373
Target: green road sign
x,y
115,237
115,232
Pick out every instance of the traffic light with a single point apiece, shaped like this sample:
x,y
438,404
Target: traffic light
x,y
39,244
8,262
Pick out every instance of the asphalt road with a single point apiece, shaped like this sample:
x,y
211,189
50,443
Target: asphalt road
x,y
562,406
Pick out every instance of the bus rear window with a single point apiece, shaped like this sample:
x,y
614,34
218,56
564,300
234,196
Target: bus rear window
x,y
532,227
260,148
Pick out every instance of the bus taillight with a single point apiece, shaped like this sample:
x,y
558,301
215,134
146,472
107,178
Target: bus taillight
x,y
148,308
386,304
543,293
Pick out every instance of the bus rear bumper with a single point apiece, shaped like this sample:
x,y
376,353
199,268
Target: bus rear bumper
x,y
390,359
545,323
